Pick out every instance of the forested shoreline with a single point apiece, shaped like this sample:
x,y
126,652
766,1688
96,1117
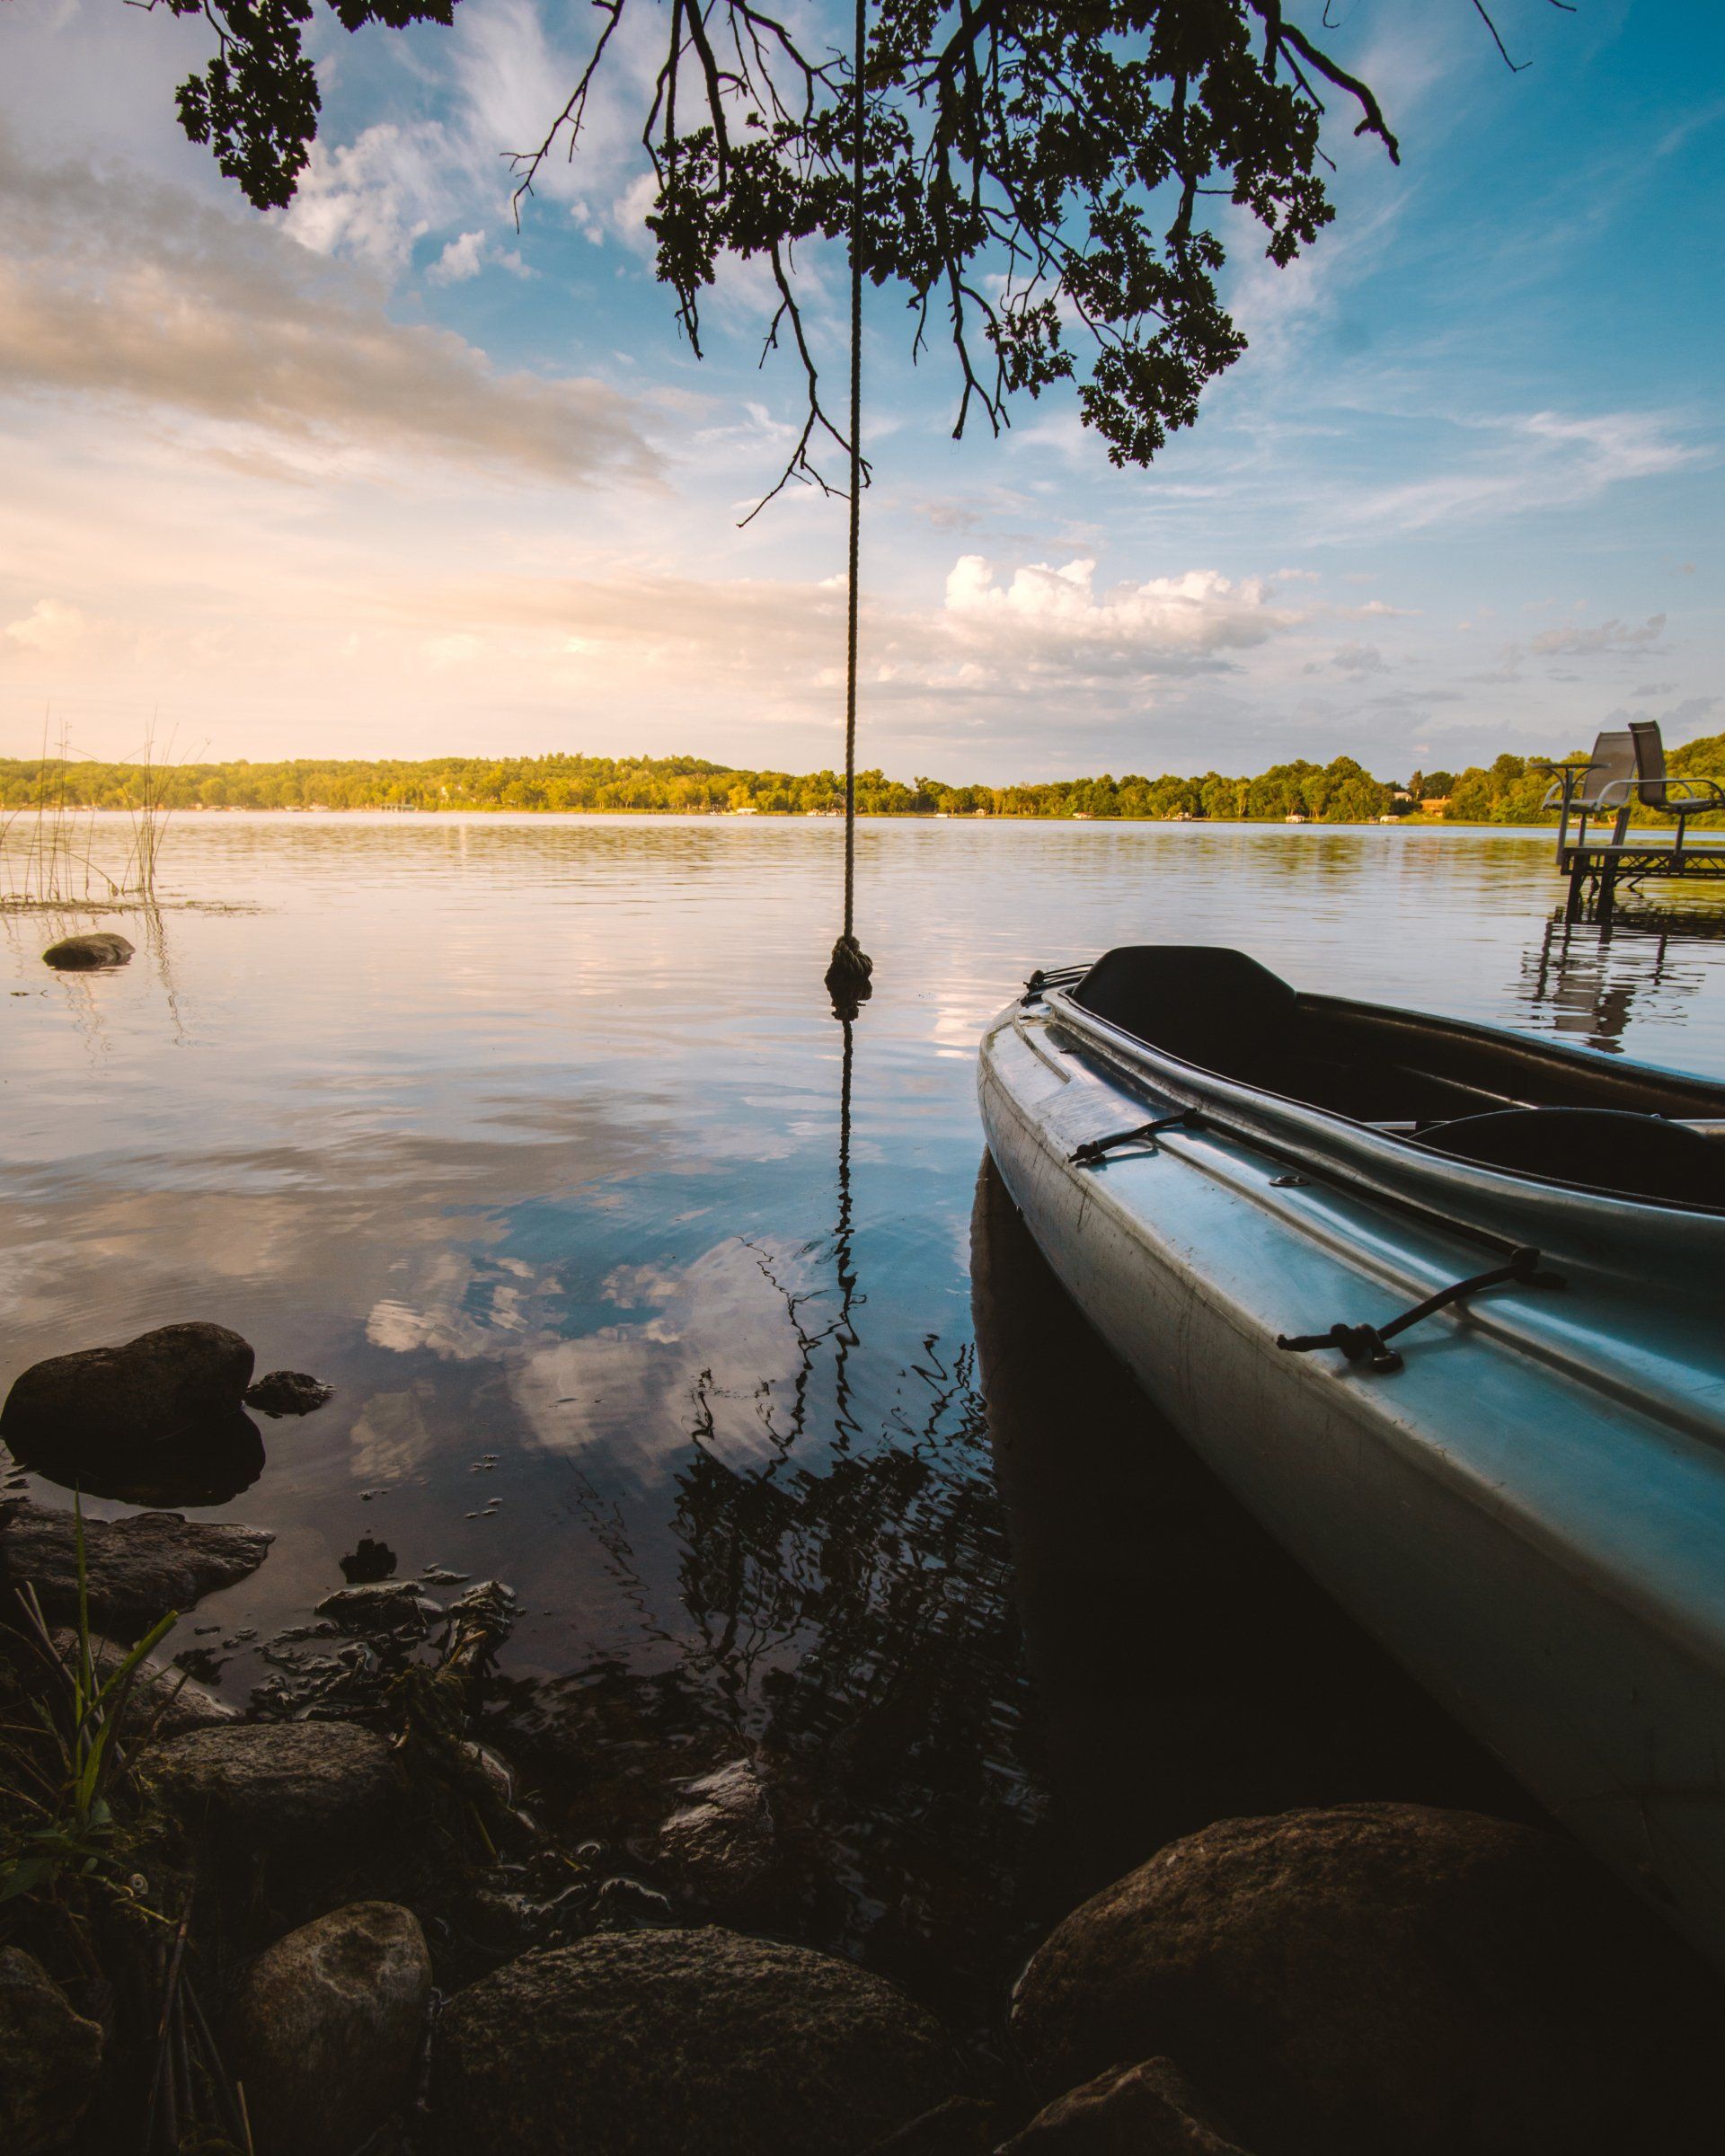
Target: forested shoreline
x,y
1508,791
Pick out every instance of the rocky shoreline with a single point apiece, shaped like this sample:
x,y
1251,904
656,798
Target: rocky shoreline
x,y
334,1923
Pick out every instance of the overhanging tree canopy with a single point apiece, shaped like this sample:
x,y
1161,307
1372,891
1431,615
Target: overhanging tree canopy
x,y
1038,179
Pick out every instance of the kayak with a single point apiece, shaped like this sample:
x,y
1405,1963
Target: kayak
x,y
1440,1303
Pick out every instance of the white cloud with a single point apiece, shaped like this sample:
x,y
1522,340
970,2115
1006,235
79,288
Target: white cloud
x,y
460,260
1525,461
117,293
1045,615
50,627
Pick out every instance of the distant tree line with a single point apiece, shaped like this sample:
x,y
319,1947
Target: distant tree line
x,y
1508,790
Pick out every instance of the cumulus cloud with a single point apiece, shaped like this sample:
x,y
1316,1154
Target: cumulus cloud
x,y
50,627
1042,615
459,261
121,294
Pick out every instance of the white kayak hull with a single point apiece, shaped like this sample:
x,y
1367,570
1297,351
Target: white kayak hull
x,y
1529,1512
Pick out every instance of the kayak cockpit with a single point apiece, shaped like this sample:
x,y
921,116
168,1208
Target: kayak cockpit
x,y
1468,1093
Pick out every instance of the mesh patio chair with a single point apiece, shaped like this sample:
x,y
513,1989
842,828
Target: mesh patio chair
x,y
1598,787
1679,799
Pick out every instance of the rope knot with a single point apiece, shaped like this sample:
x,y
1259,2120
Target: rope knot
x,y
847,978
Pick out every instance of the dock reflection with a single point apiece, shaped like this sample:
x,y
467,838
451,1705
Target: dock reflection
x,y
1590,980
1186,1670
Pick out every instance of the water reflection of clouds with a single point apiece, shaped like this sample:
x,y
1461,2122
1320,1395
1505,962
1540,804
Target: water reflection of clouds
x,y
723,1345
390,1437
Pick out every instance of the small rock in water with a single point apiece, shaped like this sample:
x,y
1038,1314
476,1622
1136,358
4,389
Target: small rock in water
x,y
720,1847
86,953
137,1569
626,1904
393,1605
1149,2109
326,2030
641,2043
369,1562
49,2054
280,1393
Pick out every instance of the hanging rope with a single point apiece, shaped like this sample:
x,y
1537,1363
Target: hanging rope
x,y
848,972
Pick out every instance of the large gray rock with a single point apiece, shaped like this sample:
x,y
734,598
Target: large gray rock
x,y
314,1790
48,2057
638,2042
326,2030
147,1392
1149,2109
137,1568
1380,1977
720,1847
85,954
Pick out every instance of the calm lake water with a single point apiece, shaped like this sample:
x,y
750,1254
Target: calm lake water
x,y
526,1134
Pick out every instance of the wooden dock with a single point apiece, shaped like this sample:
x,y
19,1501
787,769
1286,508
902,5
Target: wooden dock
x,y
1597,871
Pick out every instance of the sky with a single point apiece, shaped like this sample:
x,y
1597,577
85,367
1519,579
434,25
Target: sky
x,y
383,475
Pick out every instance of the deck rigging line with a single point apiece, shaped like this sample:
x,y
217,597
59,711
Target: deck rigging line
x,y
1370,1343
849,969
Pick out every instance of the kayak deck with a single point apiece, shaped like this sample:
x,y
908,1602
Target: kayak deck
x,y
1530,1512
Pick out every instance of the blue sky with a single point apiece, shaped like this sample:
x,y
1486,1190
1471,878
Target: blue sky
x,y
383,475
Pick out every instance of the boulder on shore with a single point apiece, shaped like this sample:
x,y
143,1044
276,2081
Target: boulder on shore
x,y
325,2028
147,1391
86,953
1149,2109
1379,1976
634,2043
48,2057
314,1791
136,1569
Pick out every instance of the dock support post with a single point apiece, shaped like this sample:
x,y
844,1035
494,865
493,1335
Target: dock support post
x,y
1577,884
1607,892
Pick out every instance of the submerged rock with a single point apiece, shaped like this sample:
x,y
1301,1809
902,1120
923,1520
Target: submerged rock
x,y
325,2028
638,2042
85,953
721,1847
1149,2109
370,1561
137,1569
1379,1976
48,2057
280,1393
311,1789
148,1389
381,1606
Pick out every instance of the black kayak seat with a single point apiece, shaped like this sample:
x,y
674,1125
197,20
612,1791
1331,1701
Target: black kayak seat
x,y
1609,1149
1201,1002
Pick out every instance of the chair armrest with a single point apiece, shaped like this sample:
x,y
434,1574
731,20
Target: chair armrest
x,y
1703,794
